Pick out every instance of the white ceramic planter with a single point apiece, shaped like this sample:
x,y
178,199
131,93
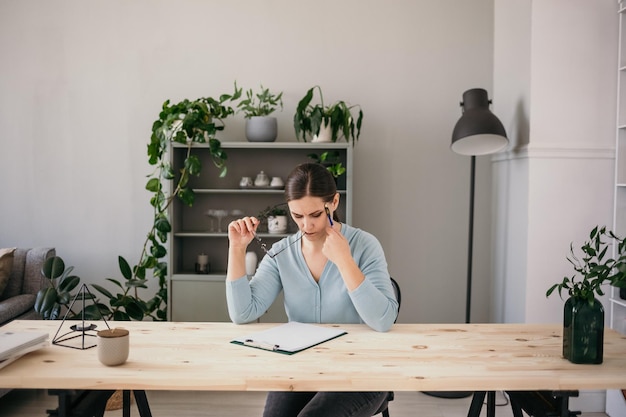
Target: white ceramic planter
x,y
325,134
277,224
261,129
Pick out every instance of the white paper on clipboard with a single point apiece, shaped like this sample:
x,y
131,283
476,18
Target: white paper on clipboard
x,y
290,338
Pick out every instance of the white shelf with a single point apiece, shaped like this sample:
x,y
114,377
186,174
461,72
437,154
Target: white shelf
x,y
615,404
273,145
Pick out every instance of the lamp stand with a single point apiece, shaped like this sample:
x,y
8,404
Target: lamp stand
x,y
468,290
470,243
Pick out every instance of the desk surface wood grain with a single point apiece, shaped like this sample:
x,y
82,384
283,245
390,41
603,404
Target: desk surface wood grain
x,y
410,357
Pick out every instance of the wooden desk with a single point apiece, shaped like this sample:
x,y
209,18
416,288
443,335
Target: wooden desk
x,y
411,357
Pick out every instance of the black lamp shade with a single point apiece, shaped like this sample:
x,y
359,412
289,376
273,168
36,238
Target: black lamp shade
x,y
478,131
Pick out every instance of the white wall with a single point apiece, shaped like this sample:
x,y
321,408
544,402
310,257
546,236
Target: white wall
x,y
82,82
555,183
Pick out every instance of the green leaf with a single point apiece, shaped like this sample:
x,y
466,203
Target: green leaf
x,y
96,311
124,268
136,283
140,272
55,312
134,310
69,283
45,300
158,251
53,267
162,224
102,290
167,172
187,196
64,297
193,165
153,185
120,316
116,282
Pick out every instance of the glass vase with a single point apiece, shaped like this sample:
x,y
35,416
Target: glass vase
x,y
583,331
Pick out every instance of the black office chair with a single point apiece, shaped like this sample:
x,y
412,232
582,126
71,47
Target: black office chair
x,y
542,403
533,403
384,408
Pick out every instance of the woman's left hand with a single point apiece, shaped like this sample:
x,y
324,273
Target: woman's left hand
x,y
336,247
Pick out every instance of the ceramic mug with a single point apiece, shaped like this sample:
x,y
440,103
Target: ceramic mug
x,y
113,346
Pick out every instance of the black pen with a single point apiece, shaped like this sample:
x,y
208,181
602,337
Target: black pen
x,y
330,219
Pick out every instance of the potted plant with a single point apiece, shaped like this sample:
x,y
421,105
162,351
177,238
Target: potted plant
x,y
583,314
49,301
276,217
332,162
257,108
191,123
326,123
127,304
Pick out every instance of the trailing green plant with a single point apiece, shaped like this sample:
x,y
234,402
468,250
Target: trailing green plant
x,y
263,103
309,118
270,211
595,267
189,123
50,300
331,160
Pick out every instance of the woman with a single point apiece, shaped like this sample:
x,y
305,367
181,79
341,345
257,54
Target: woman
x,y
329,272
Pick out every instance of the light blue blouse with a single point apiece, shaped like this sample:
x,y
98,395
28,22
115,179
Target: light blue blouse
x,y
327,301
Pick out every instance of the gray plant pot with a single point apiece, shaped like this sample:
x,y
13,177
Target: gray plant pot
x,y
261,129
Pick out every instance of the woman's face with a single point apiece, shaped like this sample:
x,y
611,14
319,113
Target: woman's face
x,y
308,213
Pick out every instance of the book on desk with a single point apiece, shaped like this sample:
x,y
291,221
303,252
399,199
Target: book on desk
x,y
13,345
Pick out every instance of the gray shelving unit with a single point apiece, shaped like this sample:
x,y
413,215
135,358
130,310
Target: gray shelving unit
x,y
201,297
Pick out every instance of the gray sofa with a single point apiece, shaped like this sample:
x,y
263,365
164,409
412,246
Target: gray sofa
x,y
17,301
18,298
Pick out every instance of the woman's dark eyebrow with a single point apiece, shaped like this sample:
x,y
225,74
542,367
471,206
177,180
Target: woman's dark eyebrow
x,y
310,214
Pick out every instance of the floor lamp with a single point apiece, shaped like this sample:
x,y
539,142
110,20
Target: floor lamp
x,y
478,132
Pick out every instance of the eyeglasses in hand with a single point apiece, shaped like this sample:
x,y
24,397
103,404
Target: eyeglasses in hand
x,y
273,255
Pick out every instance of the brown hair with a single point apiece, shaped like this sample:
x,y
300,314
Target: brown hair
x,y
312,180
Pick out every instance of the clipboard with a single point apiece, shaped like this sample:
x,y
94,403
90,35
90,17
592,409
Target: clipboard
x,y
290,338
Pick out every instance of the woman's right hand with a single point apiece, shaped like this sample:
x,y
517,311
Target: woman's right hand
x,y
242,231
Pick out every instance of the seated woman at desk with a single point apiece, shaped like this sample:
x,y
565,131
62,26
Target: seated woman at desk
x,y
329,272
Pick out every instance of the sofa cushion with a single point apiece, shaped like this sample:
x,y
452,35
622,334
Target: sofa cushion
x,y
6,265
16,277
10,309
